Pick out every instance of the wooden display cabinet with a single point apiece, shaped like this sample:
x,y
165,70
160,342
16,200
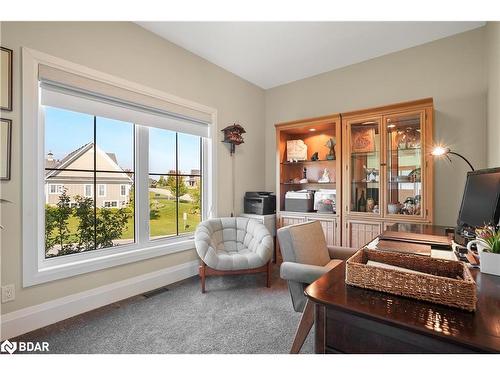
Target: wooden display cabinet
x,y
383,171
388,168
315,133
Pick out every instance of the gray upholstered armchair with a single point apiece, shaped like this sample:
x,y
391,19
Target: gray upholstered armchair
x,y
306,257
233,245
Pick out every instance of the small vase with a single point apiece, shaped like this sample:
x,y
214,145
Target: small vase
x,y
489,262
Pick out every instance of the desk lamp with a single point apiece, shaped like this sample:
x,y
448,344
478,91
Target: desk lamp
x,y
445,151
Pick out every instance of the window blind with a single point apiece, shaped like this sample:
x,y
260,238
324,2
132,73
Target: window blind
x,y
82,94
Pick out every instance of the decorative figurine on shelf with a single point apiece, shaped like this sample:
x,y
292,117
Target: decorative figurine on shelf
x,y
370,205
315,157
325,178
415,175
304,179
408,206
394,208
233,136
331,145
371,174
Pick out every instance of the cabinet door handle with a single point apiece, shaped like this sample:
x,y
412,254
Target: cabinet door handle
x,y
383,164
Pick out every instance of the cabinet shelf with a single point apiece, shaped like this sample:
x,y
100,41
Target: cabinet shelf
x,y
405,182
406,150
358,154
307,162
309,183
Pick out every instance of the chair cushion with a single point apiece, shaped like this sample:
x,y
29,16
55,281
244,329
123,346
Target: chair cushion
x,y
309,244
233,243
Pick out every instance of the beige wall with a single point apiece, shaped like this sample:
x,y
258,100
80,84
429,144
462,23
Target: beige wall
x,y
493,64
128,51
450,70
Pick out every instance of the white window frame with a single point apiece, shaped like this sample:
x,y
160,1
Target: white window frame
x,y
36,268
104,189
85,190
125,187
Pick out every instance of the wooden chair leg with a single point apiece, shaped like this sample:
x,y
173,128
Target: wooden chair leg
x,y
275,248
304,327
269,270
202,277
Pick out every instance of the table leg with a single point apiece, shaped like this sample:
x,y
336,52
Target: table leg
x,y
319,329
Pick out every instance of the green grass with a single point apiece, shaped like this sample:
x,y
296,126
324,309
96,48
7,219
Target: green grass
x,y
162,226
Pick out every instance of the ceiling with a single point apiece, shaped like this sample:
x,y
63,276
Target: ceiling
x,y
270,54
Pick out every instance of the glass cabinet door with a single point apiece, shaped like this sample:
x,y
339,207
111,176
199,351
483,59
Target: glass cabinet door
x,y
364,166
404,164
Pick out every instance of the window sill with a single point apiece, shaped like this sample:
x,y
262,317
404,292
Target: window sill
x,y
72,265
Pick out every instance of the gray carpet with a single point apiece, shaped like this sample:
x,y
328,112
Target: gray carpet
x,y
236,315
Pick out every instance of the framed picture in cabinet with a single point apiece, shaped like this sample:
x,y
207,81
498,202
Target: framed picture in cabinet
x,y
362,140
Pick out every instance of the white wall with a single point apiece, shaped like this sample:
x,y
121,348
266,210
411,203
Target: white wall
x,y
126,50
450,70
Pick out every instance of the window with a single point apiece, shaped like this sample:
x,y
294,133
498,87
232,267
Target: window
x,y
88,191
174,183
55,189
123,190
102,190
89,157
132,181
110,204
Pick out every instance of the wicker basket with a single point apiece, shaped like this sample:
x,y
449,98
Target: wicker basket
x,y
445,282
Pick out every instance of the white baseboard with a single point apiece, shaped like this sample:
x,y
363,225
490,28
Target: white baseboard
x,y
28,319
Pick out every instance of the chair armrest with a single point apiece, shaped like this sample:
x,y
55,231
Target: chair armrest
x,y
302,273
343,253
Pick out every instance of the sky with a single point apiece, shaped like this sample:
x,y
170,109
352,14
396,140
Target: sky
x,y
66,131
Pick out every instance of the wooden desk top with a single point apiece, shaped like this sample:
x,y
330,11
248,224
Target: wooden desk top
x,y
480,329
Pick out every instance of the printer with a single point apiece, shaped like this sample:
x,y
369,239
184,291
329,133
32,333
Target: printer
x,y
260,203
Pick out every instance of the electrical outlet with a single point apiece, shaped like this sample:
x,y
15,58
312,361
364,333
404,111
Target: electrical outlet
x,y
8,293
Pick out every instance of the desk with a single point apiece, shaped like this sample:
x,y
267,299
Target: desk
x,y
355,320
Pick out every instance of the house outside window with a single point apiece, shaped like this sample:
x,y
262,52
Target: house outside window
x,y
152,172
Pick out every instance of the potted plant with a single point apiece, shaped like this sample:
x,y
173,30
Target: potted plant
x,y
488,246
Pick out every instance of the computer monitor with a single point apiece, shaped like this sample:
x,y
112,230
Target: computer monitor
x,y
481,199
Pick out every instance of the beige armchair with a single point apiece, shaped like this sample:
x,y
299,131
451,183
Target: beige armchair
x,y
306,257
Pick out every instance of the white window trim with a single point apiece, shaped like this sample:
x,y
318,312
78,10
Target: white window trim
x,y
37,269
85,190
99,190
126,190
